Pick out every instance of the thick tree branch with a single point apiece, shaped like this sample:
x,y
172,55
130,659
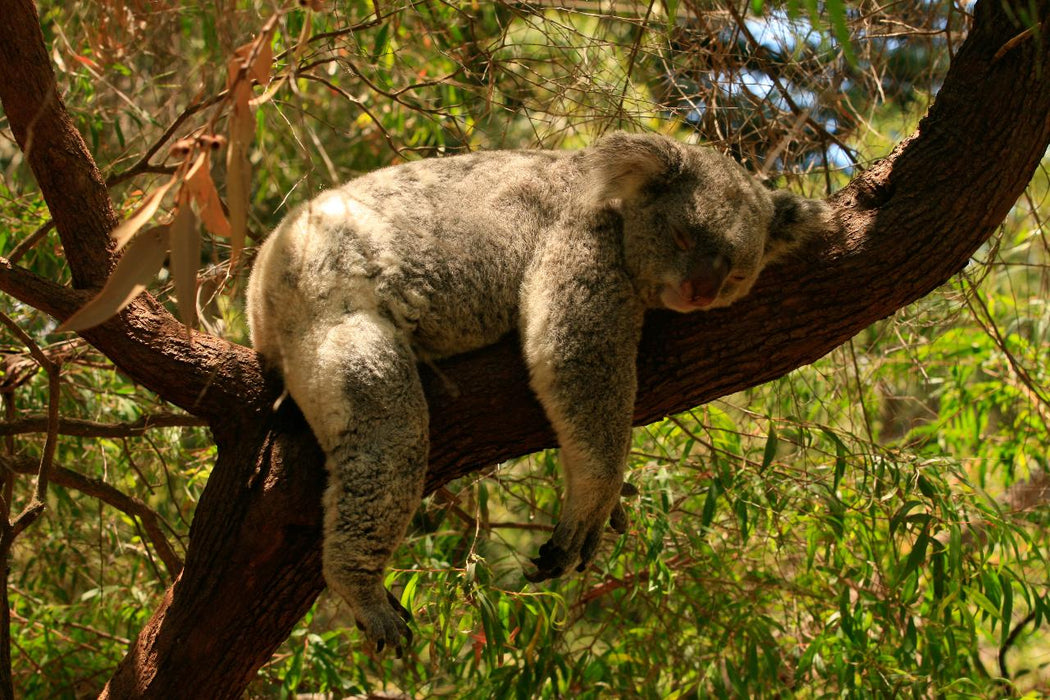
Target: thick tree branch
x,y
909,224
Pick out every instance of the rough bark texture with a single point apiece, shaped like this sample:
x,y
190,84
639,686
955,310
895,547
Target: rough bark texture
x,y
252,567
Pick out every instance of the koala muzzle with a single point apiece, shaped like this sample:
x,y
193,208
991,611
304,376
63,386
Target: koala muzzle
x,y
705,280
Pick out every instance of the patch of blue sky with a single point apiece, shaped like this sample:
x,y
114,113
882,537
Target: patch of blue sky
x,y
780,33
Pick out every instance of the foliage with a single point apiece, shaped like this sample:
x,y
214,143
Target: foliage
x,y
859,527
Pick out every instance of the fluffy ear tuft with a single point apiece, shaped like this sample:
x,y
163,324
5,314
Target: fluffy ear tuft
x,y
622,165
795,220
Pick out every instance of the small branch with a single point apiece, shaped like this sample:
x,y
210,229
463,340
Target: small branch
x,y
129,505
91,429
36,505
1014,634
31,240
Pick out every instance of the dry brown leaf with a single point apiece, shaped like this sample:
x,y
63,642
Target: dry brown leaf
x,y
123,232
201,189
185,258
260,67
142,258
238,168
238,190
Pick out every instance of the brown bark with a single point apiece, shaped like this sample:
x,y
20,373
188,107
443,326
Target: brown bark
x,y
252,566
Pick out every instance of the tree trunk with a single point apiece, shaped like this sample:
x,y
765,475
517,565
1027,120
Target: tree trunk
x,y
253,567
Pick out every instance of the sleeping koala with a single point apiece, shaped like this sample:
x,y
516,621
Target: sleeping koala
x,y
436,257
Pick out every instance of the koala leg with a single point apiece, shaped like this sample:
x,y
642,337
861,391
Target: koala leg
x,y
581,354
364,401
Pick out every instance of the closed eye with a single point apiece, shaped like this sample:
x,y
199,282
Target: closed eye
x,y
681,240
738,277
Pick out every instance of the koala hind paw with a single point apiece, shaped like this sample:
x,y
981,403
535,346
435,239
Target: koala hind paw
x,y
564,549
386,625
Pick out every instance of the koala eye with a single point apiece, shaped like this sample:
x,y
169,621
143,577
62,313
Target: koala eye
x,y
738,277
681,240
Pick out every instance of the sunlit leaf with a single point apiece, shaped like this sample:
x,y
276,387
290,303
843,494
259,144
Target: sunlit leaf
x,y
185,258
123,233
141,260
202,190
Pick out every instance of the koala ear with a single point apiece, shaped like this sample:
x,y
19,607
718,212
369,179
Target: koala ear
x,y
622,165
795,220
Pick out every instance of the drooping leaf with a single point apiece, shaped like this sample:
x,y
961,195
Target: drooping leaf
x,y
124,232
142,258
202,190
185,257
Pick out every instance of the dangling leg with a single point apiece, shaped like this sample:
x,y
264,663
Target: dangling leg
x,y
359,389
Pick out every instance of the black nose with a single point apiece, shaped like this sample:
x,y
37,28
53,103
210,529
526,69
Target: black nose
x,y
706,276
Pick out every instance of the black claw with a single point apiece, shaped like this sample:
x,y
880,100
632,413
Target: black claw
x,y
380,645
618,519
399,608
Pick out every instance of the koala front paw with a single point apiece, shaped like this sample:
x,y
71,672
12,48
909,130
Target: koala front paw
x,y
576,543
569,545
385,624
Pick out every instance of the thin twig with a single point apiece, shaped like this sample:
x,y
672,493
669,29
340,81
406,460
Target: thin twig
x,y
152,523
92,429
31,240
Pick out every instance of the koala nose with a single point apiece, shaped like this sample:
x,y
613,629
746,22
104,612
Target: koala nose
x,y
705,279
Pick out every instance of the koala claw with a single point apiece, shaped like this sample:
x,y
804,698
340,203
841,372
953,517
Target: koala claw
x,y
550,563
618,519
387,626
555,558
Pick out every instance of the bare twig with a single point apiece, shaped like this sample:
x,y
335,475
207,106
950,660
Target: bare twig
x,y
35,507
31,240
152,523
86,428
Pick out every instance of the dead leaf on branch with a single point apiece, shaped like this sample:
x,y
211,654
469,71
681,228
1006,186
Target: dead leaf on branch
x,y
141,261
126,230
185,244
255,58
144,254
201,189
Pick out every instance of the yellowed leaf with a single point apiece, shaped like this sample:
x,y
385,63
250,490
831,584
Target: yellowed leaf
x,y
185,258
238,186
140,262
260,67
123,232
201,189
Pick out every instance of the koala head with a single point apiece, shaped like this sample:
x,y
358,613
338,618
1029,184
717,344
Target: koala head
x,y
697,227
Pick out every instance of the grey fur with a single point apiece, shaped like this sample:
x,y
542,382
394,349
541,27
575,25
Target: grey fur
x,y
437,257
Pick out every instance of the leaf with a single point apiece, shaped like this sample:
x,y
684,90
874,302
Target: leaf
x,y
837,13
142,258
238,168
202,189
260,67
1007,610
123,233
185,257
238,184
917,554
771,448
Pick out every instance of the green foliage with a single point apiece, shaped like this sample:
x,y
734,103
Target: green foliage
x,y
855,528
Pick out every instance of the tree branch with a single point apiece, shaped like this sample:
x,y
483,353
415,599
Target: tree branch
x,y
252,568
93,429
96,488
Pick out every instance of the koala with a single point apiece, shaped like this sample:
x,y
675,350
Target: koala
x,y
427,259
